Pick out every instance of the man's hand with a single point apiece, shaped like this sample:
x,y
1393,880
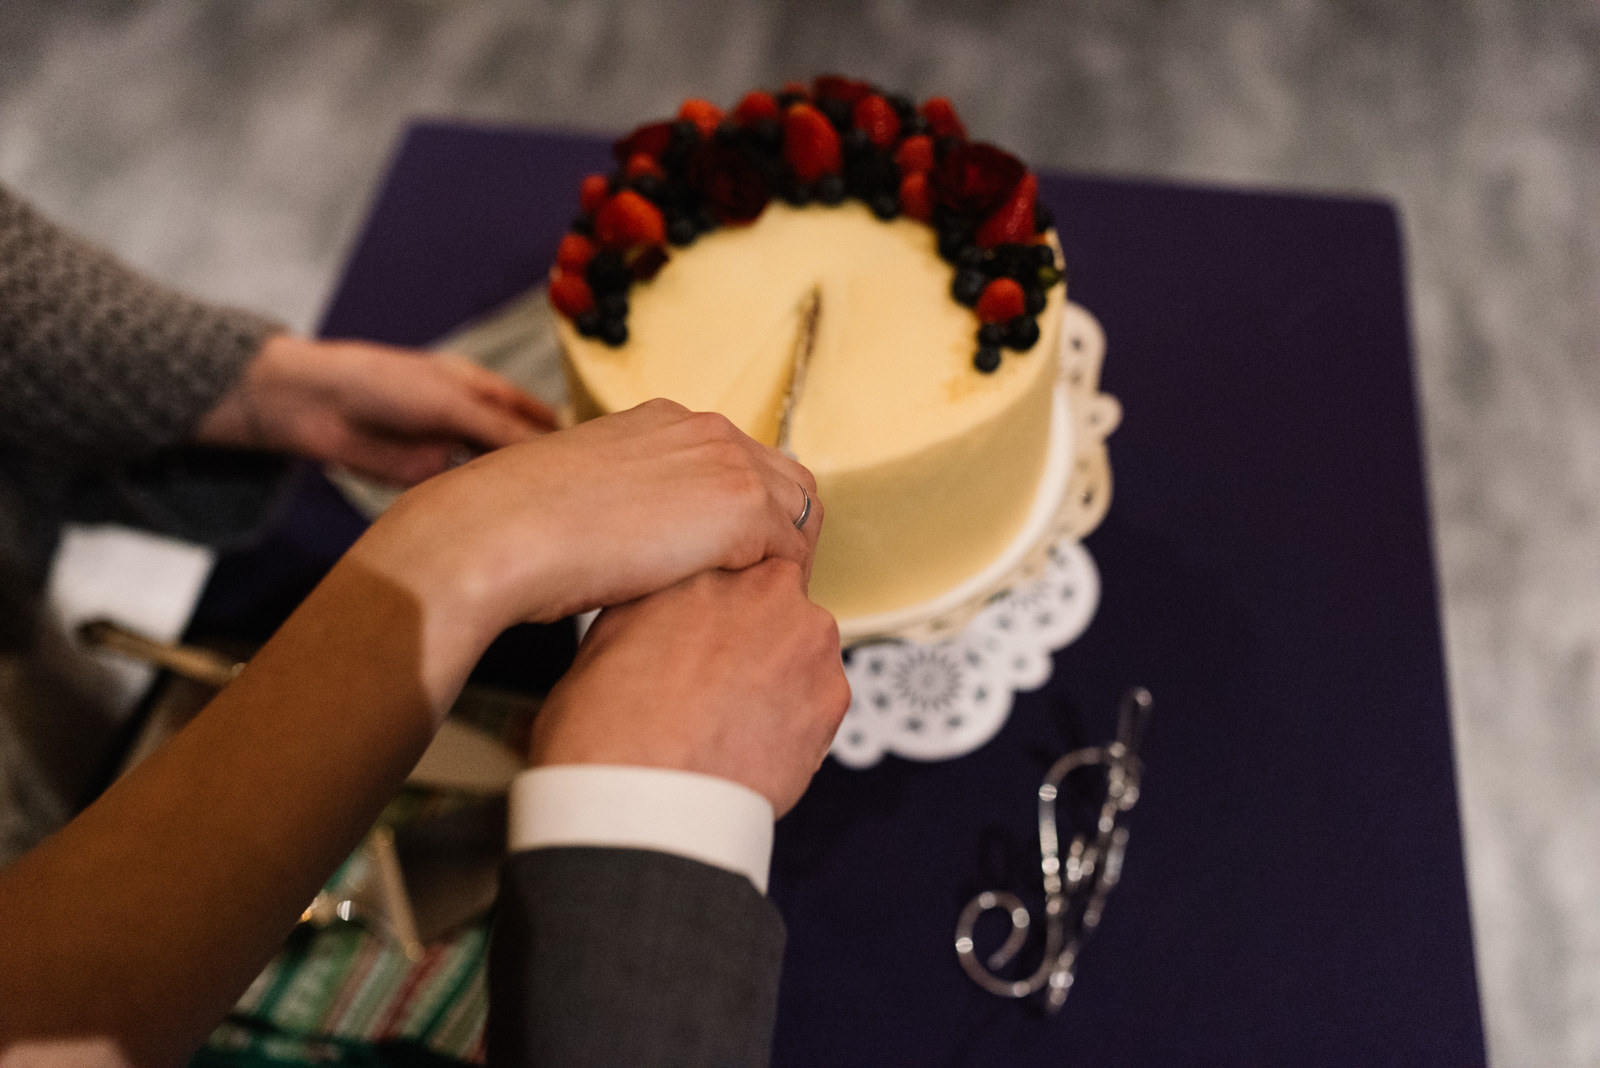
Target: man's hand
x,y
392,414
731,674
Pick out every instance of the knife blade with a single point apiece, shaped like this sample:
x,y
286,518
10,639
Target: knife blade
x,y
804,343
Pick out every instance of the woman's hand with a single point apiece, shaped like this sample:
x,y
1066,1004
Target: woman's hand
x,y
598,515
392,414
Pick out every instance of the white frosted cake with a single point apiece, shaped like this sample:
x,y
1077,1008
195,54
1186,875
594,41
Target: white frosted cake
x,y
919,286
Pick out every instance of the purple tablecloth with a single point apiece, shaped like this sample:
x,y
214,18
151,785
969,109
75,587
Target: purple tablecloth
x,y
1294,890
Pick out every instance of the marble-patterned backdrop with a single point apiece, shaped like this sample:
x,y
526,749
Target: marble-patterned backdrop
x,y
231,146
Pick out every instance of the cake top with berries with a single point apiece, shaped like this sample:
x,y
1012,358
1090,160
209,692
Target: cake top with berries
x,y
691,268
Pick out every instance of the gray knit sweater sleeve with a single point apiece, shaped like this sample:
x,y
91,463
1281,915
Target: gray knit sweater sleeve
x,y
97,362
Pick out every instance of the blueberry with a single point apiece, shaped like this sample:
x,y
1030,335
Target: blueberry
x,y
614,332
681,230
606,272
952,246
830,189
1033,299
885,206
987,360
992,335
795,192
1043,255
1043,217
968,286
588,323
903,106
837,111
1012,261
971,256
612,305
650,187
913,126
1022,333
706,219
768,133
685,135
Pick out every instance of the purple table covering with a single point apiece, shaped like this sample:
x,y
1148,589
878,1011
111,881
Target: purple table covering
x,y
1294,890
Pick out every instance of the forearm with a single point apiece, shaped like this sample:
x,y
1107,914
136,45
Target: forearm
x,y
150,913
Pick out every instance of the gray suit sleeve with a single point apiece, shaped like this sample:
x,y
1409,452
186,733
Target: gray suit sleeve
x,y
607,957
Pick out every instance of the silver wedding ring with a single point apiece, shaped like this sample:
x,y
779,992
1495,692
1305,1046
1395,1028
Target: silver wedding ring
x,y
805,510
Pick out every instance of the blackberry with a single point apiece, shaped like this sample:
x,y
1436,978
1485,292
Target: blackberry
x,y
837,111
1043,217
854,143
650,187
914,125
612,305
830,189
885,206
903,106
1022,333
588,323
727,132
706,219
1033,299
1013,261
768,133
685,135
614,332
971,256
987,359
584,225
992,334
795,192
952,246
1043,255
606,273
681,230
968,286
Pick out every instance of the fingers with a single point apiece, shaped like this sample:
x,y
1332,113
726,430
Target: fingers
x,y
497,390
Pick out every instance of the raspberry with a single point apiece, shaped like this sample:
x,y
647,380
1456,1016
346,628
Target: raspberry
x,y
570,294
755,107
703,113
915,154
916,199
1012,223
653,139
574,254
641,164
810,143
1001,301
593,192
942,120
629,219
877,119
835,87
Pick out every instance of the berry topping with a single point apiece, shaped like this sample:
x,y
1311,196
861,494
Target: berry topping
x,y
916,197
645,262
968,286
988,359
1022,333
731,182
885,206
574,254
629,219
942,120
874,116
830,189
976,179
612,306
570,294
1002,299
972,256
681,230
1043,255
583,224
834,87
703,113
653,139
588,323
1013,222
756,107
614,332
593,193
915,154
810,144
607,273
641,165
1033,300
992,334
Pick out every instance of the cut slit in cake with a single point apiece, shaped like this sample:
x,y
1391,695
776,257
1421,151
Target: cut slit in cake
x,y
927,456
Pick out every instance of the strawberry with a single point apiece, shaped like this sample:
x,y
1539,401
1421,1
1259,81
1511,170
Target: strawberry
x,y
629,219
755,107
942,120
915,154
916,198
810,143
1013,222
593,192
703,113
640,164
847,89
574,253
570,294
1001,301
652,139
874,115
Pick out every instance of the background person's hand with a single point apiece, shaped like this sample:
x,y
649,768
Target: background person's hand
x,y
392,414
732,674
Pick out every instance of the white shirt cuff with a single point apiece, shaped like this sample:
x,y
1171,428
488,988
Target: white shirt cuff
x,y
701,817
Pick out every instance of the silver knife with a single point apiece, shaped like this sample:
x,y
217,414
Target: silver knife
x,y
805,341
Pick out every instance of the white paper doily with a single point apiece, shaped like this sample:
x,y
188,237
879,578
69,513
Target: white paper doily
x,y
940,700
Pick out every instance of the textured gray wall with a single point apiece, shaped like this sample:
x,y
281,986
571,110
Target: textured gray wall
x,y
231,147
